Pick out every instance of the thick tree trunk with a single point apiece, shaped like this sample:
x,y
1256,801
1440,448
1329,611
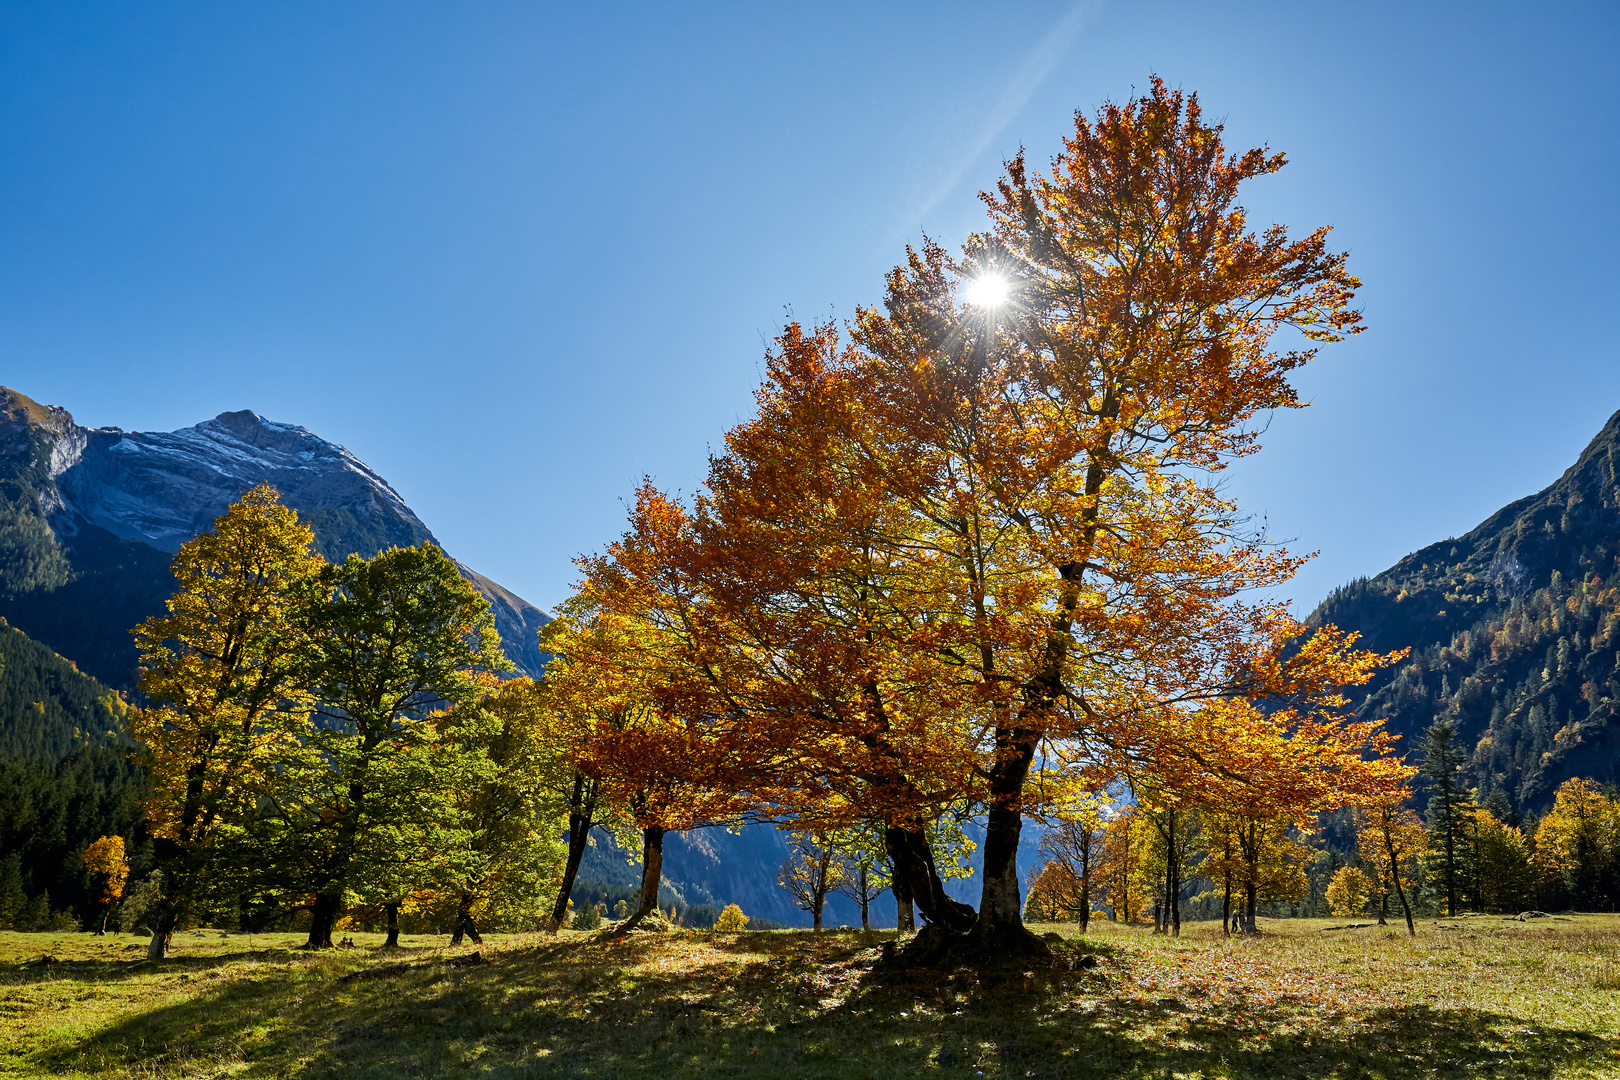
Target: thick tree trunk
x,y
582,808
393,926
1383,909
916,879
322,918
866,913
652,874
815,911
464,921
1249,901
1001,907
905,921
163,929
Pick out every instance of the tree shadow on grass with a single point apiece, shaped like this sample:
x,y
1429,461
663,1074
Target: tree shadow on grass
x,y
581,1012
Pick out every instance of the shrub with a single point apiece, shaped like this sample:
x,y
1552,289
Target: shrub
x,y
731,920
587,918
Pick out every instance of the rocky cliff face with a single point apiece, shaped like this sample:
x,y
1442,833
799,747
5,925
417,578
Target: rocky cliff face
x,y
91,516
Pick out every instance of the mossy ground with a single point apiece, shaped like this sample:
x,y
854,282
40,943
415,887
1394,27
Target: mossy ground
x,y
1485,997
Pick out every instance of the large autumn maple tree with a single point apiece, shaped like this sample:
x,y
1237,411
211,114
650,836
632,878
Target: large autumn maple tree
x,y
984,524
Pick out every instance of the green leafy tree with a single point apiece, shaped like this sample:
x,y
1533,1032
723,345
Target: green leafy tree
x,y
392,638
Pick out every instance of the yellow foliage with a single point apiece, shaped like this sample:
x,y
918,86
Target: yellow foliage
x,y
731,920
1348,891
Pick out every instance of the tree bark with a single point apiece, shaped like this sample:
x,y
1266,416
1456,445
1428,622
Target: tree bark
x,y
916,879
393,926
1001,907
582,808
1249,900
464,921
652,872
322,917
1395,876
904,920
163,932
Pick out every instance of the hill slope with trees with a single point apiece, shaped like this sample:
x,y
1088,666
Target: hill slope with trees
x,y
1514,629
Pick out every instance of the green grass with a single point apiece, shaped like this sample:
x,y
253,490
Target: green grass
x,y
1485,997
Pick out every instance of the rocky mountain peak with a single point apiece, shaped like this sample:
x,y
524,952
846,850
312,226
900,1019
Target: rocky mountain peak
x,y
157,489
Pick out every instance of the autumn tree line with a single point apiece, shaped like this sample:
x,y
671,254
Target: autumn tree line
x,y
1138,862
968,560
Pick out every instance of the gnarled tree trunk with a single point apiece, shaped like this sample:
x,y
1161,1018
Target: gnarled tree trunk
x,y
322,918
464,921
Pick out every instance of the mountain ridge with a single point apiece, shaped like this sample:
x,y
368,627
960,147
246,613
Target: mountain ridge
x,y
89,518
1514,628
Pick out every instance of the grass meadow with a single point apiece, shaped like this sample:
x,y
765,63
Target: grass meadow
x,y
1479,996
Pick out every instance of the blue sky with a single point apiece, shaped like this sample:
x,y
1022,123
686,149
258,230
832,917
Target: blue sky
x,y
515,256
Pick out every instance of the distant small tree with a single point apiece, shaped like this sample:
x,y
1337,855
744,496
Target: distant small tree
x,y
1348,891
1056,894
811,872
104,859
1578,844
1390,839
587,918
732,920
865,873
1075,839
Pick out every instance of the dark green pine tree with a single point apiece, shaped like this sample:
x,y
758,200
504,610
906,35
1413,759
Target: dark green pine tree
x,y
1442,770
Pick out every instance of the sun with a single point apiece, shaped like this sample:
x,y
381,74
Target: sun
x,y
986,291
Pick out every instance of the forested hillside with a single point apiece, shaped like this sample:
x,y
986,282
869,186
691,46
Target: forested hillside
x,y
65,780
1514,630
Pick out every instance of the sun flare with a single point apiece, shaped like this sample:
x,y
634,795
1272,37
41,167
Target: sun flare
x,y
988,291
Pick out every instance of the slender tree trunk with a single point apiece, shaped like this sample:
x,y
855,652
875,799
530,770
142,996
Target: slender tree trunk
x,y
582,808
322,917
1175,898
866,899
1395,876
1226,907
393,926
101,931
1085,896
1383,908
820,901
